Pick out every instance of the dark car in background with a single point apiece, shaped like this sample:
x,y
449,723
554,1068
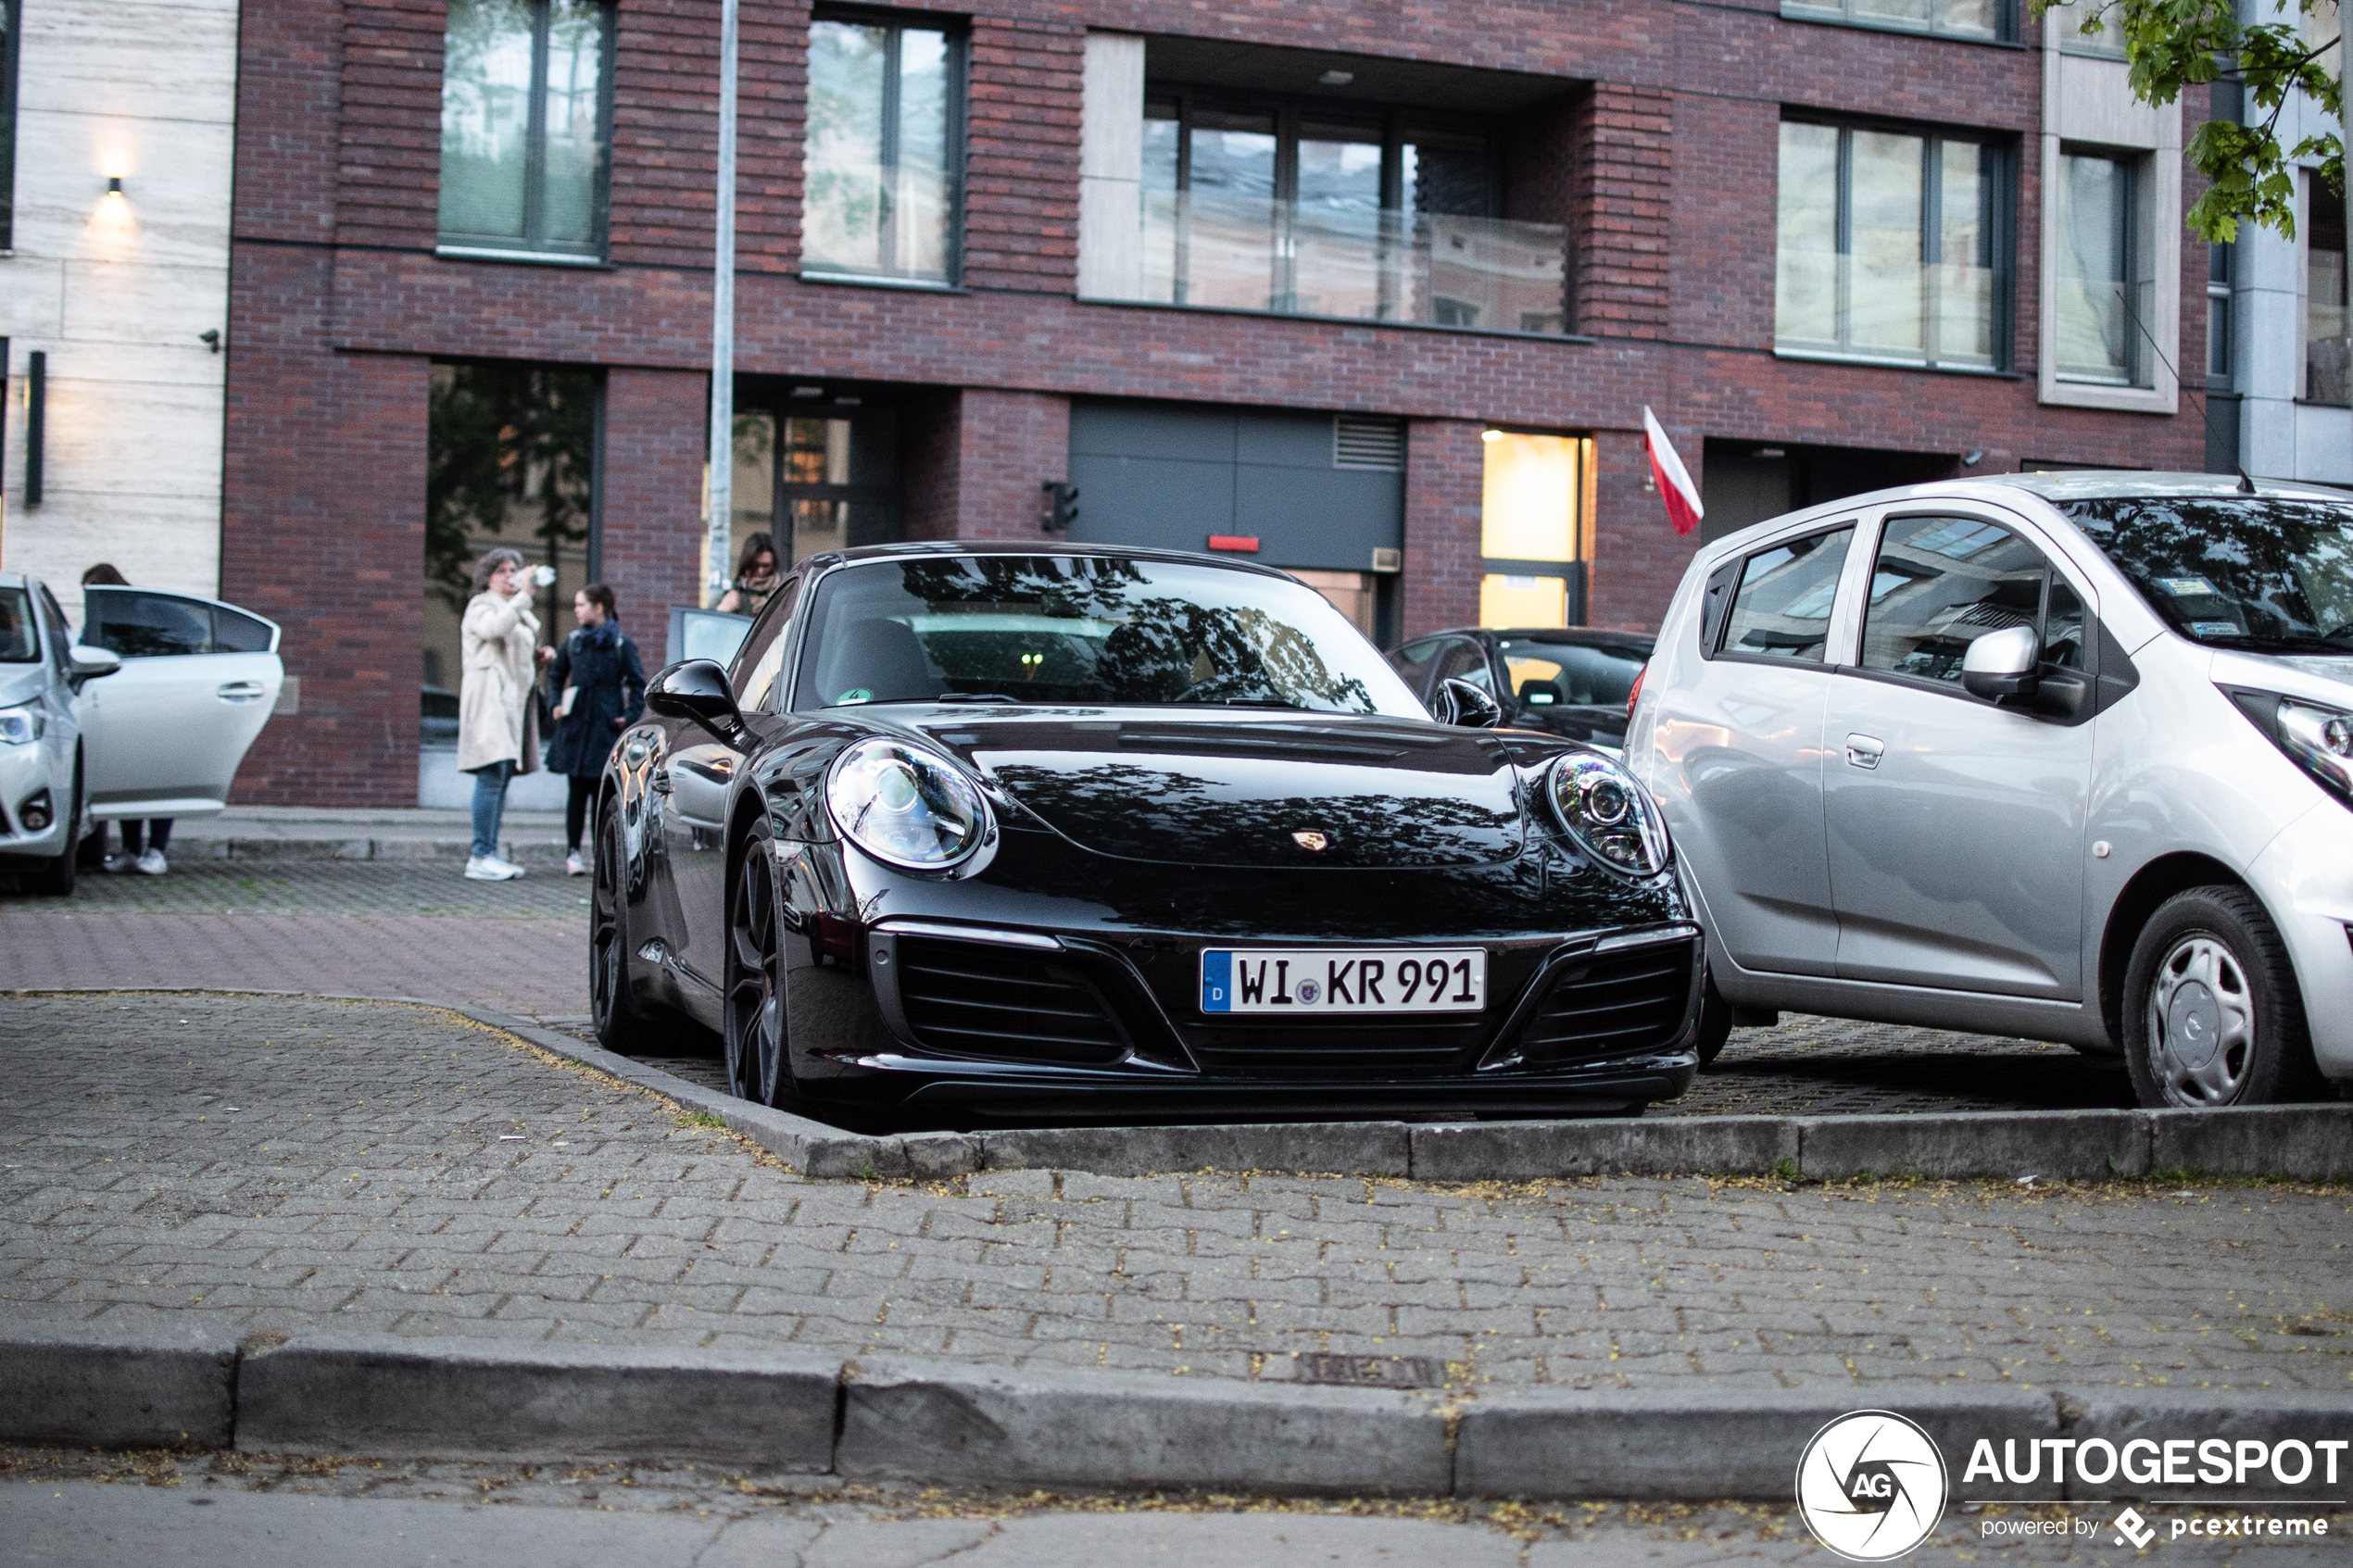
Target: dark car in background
x,y
1021,832
1570,682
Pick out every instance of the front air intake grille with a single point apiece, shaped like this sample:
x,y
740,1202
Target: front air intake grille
x,y
965,998
1611,1005
1349,1050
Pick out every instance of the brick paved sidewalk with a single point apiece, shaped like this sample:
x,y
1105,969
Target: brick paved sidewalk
x,y
282,1164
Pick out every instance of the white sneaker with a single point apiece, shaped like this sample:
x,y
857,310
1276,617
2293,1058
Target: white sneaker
x,y
574,865
153,863
119,863
490,868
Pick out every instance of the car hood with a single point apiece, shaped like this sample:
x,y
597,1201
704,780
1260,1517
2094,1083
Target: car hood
x,y
22,682
1183,787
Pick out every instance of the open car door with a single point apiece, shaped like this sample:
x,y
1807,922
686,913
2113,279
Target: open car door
x,y
164,735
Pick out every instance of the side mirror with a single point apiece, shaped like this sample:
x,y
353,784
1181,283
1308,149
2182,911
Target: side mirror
x,y
1459,702
696,689
1542,694
2001,664
89,663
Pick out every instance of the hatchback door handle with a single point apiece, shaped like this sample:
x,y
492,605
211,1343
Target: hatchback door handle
x,y
1864,751
239,691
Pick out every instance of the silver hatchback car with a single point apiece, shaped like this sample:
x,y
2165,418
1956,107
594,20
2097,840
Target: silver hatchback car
x,y
2067,755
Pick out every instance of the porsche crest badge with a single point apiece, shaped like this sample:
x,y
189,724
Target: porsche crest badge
x,y
1308,838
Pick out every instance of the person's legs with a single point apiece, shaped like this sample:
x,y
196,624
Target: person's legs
x,y
490,807
134,836
151,860
582,792
158,833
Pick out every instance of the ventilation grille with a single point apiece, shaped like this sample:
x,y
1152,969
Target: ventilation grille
x,y
975,1001
1341,1052
1359,442
1628,1002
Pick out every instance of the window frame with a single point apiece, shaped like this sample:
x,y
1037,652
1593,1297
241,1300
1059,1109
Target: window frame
x,y
11,18
1840,13
2311,192
534,245
2003,152
2138,183
1287,110
955,158
1733,567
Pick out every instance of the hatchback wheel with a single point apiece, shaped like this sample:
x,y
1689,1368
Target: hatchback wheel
x,y
622,1025
758,1065
2213,1016
54,877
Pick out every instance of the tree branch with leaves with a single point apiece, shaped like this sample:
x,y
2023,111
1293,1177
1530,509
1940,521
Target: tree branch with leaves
x,y
2170,45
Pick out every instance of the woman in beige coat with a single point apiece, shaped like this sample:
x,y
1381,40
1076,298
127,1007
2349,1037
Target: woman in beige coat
x,y
497,719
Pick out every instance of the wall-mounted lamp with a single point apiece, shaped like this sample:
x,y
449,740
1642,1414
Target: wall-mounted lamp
x,y
1490,436
211,338
1976,455
114,184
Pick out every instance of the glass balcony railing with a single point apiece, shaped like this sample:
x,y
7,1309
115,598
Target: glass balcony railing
x,y
1241,253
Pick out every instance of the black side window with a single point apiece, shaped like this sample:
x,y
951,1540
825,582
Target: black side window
x,y
1941,583
754,675
1463,659
60,634
1412,663
232,632
147,625
1782,604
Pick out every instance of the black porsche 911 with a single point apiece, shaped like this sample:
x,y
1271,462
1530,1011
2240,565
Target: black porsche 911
x,y
974,833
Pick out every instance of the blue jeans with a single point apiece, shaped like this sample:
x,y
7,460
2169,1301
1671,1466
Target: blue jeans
x,y
490,804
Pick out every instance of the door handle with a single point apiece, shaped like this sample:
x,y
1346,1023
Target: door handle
x,y
1864,751
239,691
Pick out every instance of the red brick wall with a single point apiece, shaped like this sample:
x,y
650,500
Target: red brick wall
x,y
651,511
1021,163
1639,558
1624,163
1445,472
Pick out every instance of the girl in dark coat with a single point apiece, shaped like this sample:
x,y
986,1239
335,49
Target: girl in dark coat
x,y
600,686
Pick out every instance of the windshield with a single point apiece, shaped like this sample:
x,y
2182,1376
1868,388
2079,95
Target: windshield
x,y
2264,574
1085,630
18,644
1578,674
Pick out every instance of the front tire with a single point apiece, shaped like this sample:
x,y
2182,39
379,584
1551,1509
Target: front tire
x,y
1715,1022
622,1025
2212,1015
758,1067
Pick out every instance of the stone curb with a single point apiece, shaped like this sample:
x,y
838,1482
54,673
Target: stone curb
x,y
2307,1142
343,1394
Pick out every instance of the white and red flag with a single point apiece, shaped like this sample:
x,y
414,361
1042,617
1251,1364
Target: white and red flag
x,y
1675,486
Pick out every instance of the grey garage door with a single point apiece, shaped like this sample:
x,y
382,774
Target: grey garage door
x,y
1316,492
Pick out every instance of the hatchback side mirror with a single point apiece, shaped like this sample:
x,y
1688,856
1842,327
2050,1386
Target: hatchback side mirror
x,y
89,663
1459,702
696,689
2001,664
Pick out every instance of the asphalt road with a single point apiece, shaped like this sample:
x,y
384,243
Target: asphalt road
x,y
406,929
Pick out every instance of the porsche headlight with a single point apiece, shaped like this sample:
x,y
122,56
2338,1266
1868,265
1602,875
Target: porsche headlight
x,y
19,726
904,807
1606,811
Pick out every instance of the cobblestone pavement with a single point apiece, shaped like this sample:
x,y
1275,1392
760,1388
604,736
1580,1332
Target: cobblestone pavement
x,y
394,929
61,1508
279,1164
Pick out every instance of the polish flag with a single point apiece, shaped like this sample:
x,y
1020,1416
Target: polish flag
x,y
1675,486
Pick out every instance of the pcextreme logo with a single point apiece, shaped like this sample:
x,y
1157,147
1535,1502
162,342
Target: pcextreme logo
x,y
1871,1486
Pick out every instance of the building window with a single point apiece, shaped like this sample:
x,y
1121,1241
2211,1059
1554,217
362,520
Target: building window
x,y
2106,288
884,147
2221,259
1327,209
525,95
2063,29
2327,376
1531,509
1893,247
1949,19
9,19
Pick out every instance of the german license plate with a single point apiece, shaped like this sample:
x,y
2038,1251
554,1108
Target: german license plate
x,y
1326,980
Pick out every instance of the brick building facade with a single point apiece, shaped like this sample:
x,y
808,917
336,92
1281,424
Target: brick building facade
x,y
1647,132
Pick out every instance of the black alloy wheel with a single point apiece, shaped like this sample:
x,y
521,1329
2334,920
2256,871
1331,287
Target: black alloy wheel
x,y
2212,1015
756,1068
620,1024
54,877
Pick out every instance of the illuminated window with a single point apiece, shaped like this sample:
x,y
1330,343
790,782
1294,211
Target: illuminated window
x,y
1531,513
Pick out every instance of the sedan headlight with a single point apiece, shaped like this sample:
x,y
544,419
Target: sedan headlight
x,y
19,726
1606,811
2319,738
905,808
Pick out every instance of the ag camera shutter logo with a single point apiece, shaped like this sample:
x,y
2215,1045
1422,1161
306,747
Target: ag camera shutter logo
x,y
1871,1485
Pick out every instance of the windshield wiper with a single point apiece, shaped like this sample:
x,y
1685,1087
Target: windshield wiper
x,y
974,696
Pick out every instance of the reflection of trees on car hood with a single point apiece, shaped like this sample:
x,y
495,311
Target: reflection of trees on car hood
x,y
1165,647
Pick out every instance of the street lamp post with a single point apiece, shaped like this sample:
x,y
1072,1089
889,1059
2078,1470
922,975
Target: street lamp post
x,y
723,321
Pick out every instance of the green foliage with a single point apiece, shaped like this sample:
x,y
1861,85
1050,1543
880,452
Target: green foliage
x,y
505,444
2170,45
